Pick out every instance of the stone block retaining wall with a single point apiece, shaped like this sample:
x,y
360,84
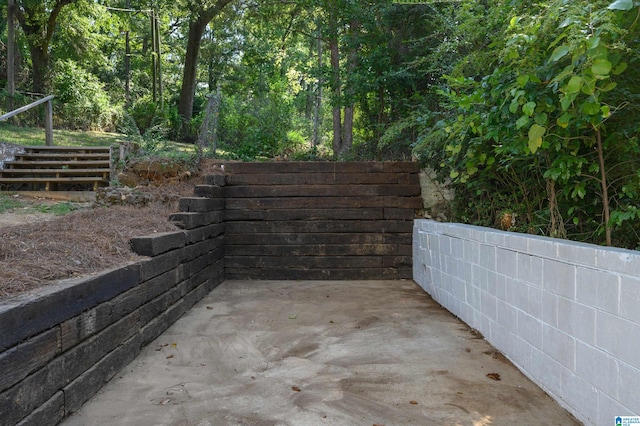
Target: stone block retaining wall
x,y
567,314
60,344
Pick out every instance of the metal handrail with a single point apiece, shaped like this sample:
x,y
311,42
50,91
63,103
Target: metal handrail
x,y
48,112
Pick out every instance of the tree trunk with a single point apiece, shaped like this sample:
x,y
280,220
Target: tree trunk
x,y
197,27
318,99
38,28
335,83
605,188
188,89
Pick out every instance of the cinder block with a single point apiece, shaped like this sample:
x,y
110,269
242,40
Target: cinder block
x,y
581,395
559,346
544,247
153,245
560,279
21,360
488,257
489,306
548,372
457,250
609,409
530,329
550,309
630,299
522,353
577,253
471,252
507,317
500,338
507,262
524,268
629,387
472,296
625,262
444,244
501,287
514,292
577,320
616,336
517,242
533,305
598,368
495,238
537,274
599,289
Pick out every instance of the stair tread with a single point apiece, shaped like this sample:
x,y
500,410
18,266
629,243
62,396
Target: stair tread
x,y
52,179
58,163
60,155
68,148
45,171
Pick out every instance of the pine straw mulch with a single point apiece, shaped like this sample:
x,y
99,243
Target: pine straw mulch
x,y
82,242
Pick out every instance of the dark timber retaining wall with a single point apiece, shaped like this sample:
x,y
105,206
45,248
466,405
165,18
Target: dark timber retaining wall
x,y
319,220
60,344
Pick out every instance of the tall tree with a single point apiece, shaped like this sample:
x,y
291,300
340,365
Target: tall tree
x,y
202,14
38,21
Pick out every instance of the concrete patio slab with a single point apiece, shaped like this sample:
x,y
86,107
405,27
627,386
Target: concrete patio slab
x,y
320,353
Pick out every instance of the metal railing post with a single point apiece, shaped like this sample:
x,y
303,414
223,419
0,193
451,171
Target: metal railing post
x,y
48,126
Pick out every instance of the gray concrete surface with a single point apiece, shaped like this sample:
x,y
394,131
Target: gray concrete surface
x,y
320,353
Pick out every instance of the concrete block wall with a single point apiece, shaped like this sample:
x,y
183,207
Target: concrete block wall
x,y
567,314
60,344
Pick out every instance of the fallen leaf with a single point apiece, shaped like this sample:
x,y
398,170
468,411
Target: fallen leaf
x,y
294,316
467,350
169,356
174,345
494,376
209,307
165,402
413,402
330,321
295,388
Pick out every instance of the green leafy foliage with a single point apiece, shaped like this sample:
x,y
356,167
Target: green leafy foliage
x,y
557,100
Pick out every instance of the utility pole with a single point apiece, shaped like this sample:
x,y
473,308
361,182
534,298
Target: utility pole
x,y
127,62
11,49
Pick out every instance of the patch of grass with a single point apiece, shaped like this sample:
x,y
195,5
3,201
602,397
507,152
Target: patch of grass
x,y
33,136
7,202
58,209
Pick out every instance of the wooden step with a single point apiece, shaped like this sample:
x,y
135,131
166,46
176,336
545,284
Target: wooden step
x,y
51,183
97,149
69,179
70,155
56,164
104,172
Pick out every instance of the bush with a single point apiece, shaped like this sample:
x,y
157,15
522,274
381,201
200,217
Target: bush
x,y
81,101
